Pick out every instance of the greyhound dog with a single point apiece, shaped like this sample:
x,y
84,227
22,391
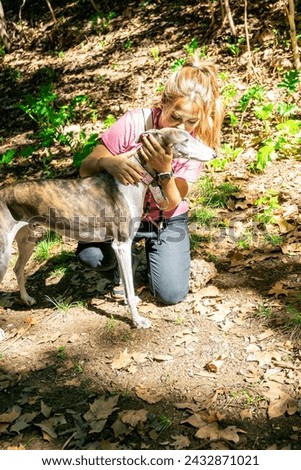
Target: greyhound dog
x,y
96,208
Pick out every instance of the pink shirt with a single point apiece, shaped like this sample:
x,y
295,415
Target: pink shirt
x,y
122,137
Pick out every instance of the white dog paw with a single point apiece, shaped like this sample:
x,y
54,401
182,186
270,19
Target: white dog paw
x,y
142,322
28,300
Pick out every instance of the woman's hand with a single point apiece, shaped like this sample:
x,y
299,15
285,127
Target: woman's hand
x,y
122,167
156,156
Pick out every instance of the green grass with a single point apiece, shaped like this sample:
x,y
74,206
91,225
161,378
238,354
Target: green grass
x,y
43,249
215,196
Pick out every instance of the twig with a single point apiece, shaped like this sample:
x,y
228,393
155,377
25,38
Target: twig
x,y
20,11
94,5
230,19
51,11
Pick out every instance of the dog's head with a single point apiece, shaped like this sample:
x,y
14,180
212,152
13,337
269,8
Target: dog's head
x,y
184,145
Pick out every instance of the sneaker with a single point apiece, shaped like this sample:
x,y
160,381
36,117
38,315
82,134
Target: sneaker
x,y
118,292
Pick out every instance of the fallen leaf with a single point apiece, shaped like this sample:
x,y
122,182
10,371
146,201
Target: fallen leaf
x,y
19,447
45,409
11,415
231,433
212,431
195,420
266,334
49,426
140,357
102,408
122,361
30,321
147,395
134,417
181,442
246,414
194,407
120,428
216,364
284,404
23,422
264,357
108,445
97,426
278,289
210,291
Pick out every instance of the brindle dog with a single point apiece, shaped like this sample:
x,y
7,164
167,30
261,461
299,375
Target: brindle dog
x,y
96,208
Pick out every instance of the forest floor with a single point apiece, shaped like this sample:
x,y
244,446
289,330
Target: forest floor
x,y
222,369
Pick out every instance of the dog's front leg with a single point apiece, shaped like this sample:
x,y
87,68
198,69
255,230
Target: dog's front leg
x,y
124,258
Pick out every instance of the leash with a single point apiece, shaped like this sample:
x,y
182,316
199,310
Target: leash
x,y
150,180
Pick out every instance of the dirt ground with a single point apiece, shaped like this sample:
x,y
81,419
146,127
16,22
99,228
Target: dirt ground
x,y
222,369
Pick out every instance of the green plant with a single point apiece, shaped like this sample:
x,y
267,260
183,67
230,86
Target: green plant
x,y
51,119
290,81
109,121
203,52
203,216
229,92
255,93
196,240
78,368
7,157
59,271
2,50
61,305
235,47
111,324
191,47
43,248
83,146
178,63
164,423
61,353
160,88
294,317
245,241
215,196
155,53
273,239
264,311
269,204
128,44
101,22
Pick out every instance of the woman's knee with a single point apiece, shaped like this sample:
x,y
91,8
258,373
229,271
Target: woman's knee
x,y
171,296
93,257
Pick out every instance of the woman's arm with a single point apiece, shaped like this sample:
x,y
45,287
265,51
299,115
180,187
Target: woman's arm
x,y
119,166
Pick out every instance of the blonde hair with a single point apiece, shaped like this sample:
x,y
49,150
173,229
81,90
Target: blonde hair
x,y
196,83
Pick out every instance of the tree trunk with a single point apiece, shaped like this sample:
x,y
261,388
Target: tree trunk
x,y
290,11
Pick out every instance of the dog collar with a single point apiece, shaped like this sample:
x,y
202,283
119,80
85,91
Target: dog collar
x,y
151,181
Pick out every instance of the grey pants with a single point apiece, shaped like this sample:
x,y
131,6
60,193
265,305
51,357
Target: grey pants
x,y
167,252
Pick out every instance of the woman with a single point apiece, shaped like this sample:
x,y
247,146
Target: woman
x,y
190,101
